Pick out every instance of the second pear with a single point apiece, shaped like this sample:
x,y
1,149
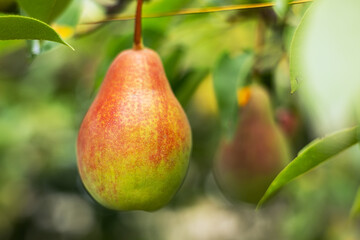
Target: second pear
x,y
246,165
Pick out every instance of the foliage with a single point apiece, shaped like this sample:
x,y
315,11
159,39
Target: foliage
x,y
229,75
44,10
19,27
312,155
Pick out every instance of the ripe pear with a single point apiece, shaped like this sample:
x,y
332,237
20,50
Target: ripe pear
x,y
134,143
247,164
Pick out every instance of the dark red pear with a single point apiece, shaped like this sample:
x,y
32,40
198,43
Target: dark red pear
x,y
247,164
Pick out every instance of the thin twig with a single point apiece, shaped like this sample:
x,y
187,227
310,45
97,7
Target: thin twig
x,y
137,34
197,11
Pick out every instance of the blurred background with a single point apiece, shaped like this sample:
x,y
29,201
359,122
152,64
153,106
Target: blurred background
x,y
45,93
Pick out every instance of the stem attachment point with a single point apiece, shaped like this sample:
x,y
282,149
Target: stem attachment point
x,y
137,35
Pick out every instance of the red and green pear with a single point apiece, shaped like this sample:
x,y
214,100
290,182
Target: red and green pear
x,y
247,164
135,141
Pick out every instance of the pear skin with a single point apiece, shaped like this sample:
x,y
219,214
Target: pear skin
x,y
135,141
247,164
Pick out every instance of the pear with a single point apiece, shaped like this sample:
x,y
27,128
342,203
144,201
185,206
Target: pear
x,y
246,164
134,143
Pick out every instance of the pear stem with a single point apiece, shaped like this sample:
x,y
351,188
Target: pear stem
x,y
137,36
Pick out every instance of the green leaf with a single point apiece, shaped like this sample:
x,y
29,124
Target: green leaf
x,y
229,75
281,8
71,15
44,10
312,155
66,23
325,50
189,84
355,210
7,47
19,27
296,68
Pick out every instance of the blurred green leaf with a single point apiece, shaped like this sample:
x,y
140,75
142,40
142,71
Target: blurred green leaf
x,y
20,27
281,7
71,16
229,75
172,65
190,83
325,63
7,47
114,46
44,10
312,155
296,74
64,25
355,210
